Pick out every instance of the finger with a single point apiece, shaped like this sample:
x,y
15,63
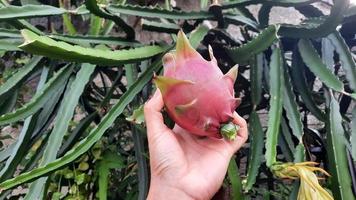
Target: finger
x,y
153,115
242,133
160,138
241,122
156,129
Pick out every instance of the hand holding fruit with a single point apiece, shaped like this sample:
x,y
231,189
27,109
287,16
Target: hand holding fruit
x,y
183,165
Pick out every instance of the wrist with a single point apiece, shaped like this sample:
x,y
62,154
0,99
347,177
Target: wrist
x,y
160,191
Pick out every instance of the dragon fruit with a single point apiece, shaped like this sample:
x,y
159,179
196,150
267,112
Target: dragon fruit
x,y
196,94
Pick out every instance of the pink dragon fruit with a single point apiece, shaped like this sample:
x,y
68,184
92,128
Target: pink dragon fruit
x,y
197,96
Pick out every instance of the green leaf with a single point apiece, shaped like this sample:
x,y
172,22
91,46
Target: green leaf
x,y
93,7
241,20
286,3
299,81
139,139
299,153
49,107
257,45
11,33
204,4
337,156
20,24
20,75
10,44
314,63
23,24
40,98
95,24
108,26
61,123
157,12
28,11
21,147
48,47
137,116
110,161
263,15
347,61
130,73
8,101
85,39
256,150
285,141
257,65
353,95
85,144
353,135
235,180
276,106
197,35
317,30
163,27
295,190
81,10
42,128
5,153
244,11
292,109
34,155
327,53
79,130
113,160
103,181
67,23
33,2
66,112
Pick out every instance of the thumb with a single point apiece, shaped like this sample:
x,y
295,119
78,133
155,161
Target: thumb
x,y
161,139
153,117
152,112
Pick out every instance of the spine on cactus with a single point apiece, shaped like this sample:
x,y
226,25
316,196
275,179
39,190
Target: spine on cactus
x,y
197,95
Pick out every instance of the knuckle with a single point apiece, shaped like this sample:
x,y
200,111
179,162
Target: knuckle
x,y
243,123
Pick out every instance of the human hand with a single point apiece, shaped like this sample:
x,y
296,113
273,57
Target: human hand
x,y
184,166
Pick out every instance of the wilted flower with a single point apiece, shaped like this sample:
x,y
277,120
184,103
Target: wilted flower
x,y
309,186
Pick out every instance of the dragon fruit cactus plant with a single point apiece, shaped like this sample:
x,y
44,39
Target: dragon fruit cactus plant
x,y
197,95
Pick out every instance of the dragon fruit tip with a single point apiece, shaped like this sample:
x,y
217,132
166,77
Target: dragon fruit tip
x,y
183,47
229,131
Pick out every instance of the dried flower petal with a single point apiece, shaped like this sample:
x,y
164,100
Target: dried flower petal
x,y
310,188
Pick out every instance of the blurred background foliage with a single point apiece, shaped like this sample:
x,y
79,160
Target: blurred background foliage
x,y
73,75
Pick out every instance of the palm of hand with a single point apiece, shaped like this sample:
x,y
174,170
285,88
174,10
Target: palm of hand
x,y
180,160
194,165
